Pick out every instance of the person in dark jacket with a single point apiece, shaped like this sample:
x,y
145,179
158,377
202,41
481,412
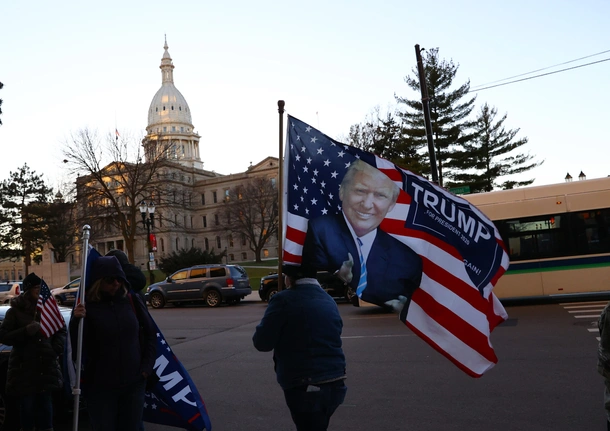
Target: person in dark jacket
x,y
136,279
119,348
303,327
135,276
33,366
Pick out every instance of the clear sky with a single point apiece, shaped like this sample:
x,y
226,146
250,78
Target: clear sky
x,y
67,65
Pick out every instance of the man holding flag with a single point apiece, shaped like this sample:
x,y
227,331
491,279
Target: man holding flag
x,y
36,330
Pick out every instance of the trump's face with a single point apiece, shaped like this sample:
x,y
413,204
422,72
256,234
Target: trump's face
x,y
367,200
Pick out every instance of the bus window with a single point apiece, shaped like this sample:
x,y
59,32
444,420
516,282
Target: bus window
x,y
592,231
535,237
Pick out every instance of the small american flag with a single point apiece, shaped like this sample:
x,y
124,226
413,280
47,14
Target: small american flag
x,y
51,319
454,310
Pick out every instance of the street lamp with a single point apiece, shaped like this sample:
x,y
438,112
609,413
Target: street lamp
x,y
148,222
582,176
568,178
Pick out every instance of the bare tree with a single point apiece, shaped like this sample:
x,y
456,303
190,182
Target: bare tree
x,y
251,209
114,176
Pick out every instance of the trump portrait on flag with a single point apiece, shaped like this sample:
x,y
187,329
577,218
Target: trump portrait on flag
x,y
351,245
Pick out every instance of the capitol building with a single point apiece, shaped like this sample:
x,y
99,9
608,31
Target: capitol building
x,y
197,221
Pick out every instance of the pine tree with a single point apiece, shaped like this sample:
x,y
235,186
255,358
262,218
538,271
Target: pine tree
x,y
490,154
387,138
449,111
23,199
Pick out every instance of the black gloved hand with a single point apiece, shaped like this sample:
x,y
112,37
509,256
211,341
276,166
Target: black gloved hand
x,y
32,328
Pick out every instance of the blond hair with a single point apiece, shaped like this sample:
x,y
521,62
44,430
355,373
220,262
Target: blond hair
x,y
360,166
94,293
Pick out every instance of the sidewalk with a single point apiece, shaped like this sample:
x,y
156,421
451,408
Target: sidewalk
x,y
253,297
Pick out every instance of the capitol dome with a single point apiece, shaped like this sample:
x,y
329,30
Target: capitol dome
x,y
170,133
168,106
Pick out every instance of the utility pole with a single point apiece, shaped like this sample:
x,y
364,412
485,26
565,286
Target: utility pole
x,y
426,108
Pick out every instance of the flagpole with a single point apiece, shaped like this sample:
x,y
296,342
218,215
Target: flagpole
x,y
280,221
79,347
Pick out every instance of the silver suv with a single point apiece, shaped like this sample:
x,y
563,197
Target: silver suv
x,y
9,290
213,284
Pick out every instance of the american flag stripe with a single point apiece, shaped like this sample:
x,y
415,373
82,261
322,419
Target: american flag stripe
x,y
441,339
454,310
51,319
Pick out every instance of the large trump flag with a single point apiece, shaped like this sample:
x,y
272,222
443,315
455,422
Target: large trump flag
x,y
463,256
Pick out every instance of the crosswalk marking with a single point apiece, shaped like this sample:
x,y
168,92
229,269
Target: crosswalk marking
x,y
599,306
589,310
586,310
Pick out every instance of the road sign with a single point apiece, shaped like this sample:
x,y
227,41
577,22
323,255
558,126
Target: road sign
x,y
460,190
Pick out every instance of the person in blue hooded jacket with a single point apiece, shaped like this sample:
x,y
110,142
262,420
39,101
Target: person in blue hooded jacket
x,y
119,348
302,326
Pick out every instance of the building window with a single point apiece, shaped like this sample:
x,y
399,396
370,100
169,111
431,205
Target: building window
x,y
191,221
184,219
193,243
182,129
164,129
206,244
244,255
186,242
273,182
230,240
227,195
173,128
243,239
214,197
216,219
202,199
231,257
162,246
218,243
205,221
177,246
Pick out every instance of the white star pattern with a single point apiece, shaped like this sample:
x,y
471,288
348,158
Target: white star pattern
x,y
311,163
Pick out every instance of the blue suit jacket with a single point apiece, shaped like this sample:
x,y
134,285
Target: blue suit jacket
x,y
393,268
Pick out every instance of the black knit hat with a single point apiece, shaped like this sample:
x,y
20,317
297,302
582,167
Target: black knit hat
x,y
30,281
107,266
297,272
120,255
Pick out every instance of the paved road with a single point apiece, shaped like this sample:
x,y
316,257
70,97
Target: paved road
x,y
545,379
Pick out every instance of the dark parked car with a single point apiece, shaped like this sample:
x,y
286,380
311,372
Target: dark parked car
x,y
332,284
213,284
9,410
